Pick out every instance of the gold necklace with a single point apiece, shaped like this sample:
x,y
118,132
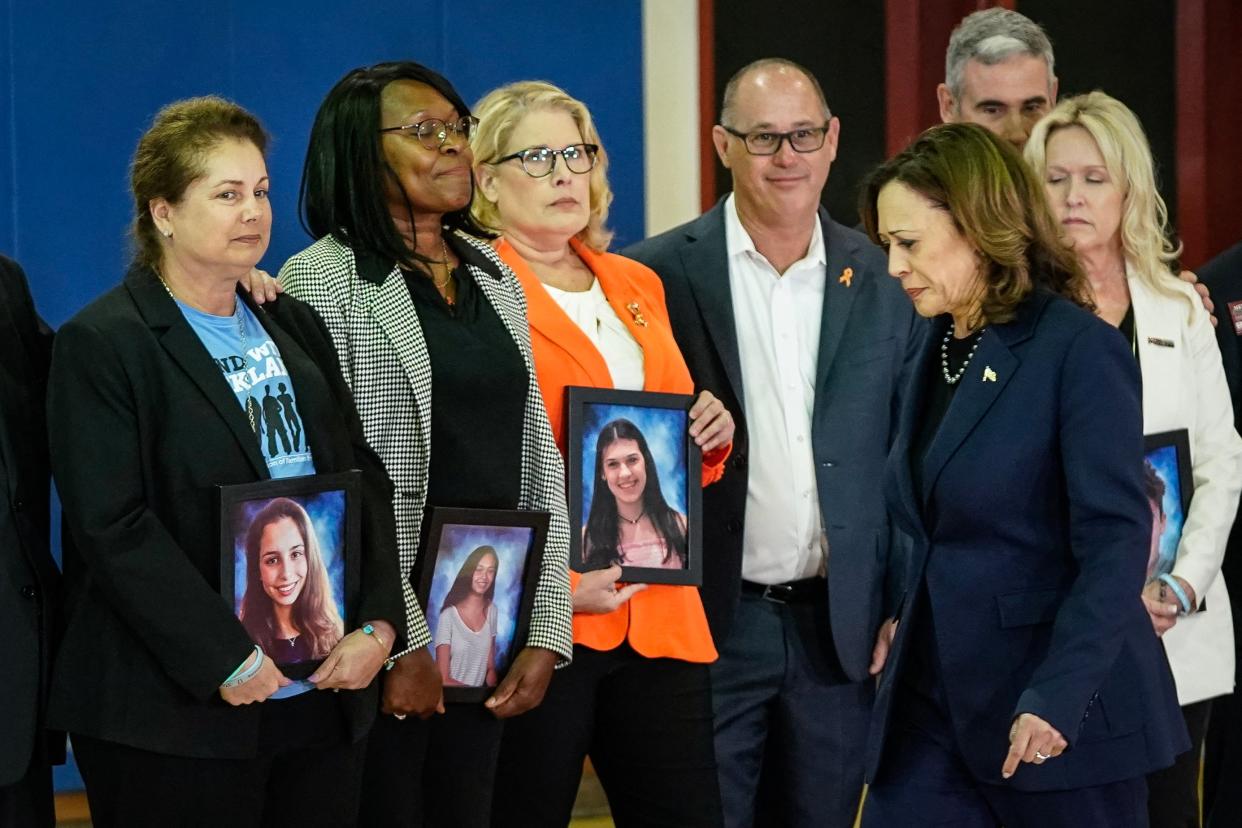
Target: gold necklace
x,y
448,272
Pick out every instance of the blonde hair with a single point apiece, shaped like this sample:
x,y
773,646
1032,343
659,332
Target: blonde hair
x,y
499,113
1145,239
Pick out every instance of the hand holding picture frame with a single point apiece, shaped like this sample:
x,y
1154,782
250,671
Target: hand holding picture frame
x,y
1169,482
289,551
634,494
476,579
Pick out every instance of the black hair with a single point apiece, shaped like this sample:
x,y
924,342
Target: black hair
x,y
343,178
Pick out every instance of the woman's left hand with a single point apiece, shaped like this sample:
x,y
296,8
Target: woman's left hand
x,y
354,660
711,424
261,286
1161,607
524,684
1031,739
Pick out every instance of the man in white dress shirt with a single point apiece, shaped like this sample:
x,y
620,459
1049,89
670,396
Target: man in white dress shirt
x,y
792,321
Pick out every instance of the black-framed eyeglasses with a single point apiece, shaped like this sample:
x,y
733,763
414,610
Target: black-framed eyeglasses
x,y
540,161
433,132
763,142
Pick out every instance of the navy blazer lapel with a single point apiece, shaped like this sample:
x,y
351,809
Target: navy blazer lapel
x,y
181,342
706,261
912,404
988,374
990,370
840,254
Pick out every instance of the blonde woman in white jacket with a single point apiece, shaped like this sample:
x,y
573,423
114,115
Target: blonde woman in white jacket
x,y
1099,177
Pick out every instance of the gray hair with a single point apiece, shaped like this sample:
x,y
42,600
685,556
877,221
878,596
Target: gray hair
x,y
730,90
990,37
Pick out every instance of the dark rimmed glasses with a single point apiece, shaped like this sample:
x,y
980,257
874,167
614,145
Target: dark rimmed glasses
x,y
433,132
540,161
764,142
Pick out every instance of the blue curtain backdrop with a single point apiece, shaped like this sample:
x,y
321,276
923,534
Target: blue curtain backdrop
x,y
79,83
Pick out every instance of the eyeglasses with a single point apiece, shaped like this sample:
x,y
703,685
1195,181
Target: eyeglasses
x,y
540,161
807,139
432,133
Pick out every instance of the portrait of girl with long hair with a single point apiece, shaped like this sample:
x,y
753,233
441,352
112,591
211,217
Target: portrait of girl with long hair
x,y
288,607
465,641
630,523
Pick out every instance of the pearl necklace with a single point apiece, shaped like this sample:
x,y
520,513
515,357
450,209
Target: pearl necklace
x,y
955,378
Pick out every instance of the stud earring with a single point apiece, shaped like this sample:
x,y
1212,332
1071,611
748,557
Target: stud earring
x,y
167,234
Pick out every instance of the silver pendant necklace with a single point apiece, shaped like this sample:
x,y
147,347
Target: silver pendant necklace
x,y
238,318
635,521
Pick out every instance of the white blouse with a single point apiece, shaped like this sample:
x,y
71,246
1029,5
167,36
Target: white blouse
x,y
590,311
468,649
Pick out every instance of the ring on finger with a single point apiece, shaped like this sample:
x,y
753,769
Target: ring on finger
x,y
1039,757
399,716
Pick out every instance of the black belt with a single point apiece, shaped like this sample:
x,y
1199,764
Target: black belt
x,y
801,591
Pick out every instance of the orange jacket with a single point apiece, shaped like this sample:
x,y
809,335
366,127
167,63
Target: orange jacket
x,y
662,620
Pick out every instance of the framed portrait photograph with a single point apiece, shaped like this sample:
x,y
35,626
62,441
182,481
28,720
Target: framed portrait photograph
x,y
633,490
289,564
1169,484
476,580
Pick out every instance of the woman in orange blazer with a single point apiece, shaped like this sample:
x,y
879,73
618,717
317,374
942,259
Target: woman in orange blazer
x,y
637,697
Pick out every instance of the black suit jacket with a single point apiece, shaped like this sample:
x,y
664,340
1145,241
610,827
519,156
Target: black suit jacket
x,y
866,339
29,581
1223,277
143,427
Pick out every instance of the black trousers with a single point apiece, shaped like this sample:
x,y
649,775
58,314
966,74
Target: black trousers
x,y
1173,793
28,801
646,723
1222,763
437,773
306,775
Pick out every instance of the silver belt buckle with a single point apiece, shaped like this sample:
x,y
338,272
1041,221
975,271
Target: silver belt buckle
x,y
777,593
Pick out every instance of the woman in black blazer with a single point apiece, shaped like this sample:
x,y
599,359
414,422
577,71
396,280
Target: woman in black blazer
x,y
1025,685
152,404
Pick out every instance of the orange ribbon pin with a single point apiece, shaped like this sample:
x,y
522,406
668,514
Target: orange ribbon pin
x,y
632,307
847,276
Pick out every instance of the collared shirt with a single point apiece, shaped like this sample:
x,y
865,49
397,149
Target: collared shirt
x,y
778,321
590,311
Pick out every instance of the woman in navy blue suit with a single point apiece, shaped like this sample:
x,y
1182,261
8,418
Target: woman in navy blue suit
x,y
1024,684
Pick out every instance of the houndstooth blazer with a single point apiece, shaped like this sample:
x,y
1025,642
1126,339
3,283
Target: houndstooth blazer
x,y
384,359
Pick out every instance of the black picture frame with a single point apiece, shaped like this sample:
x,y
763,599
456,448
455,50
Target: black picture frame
x,y
456,536
330,507
1167,455
662,421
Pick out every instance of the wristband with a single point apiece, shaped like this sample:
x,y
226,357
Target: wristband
x,y
241,676
1182,598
